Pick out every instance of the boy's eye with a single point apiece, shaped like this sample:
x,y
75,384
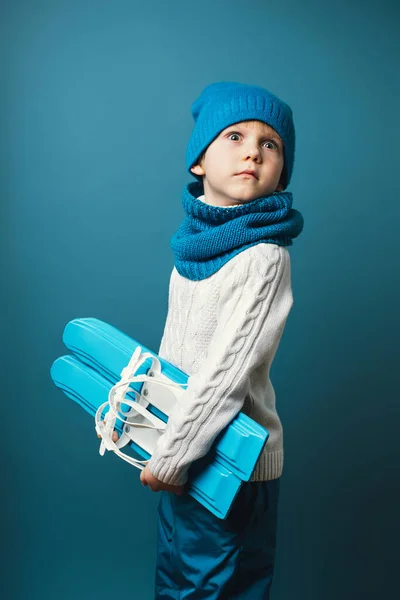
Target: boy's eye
x,y
271,143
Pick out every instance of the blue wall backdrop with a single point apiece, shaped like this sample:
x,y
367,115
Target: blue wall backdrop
x,y
95,117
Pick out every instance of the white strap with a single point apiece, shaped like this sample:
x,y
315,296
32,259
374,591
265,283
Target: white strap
x,y
112,446
117,396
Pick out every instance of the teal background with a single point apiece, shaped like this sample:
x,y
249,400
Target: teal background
x,y
95,117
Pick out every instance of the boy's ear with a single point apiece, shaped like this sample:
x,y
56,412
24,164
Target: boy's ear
x,y
197,170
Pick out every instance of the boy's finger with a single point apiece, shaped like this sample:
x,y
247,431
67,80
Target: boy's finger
x,y
114,436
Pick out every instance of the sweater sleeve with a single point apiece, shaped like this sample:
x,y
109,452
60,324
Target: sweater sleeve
x,y
255,300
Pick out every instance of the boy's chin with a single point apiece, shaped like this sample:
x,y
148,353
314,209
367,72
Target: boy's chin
x,y
243,196
236,192
250,191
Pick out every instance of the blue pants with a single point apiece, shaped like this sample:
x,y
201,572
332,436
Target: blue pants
x,y
201,557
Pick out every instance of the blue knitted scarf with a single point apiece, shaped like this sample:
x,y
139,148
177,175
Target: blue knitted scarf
x,y
209,236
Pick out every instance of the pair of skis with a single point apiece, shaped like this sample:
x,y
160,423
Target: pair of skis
x,y
128,388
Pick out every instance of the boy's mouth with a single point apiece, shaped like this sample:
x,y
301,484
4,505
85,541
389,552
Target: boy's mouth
x,y
248,172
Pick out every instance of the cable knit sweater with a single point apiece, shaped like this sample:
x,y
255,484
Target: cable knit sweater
x,y
224,331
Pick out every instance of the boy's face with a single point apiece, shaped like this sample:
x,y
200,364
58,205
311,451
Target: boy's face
x,y
246,145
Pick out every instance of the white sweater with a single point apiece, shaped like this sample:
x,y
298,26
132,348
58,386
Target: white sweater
x,y
224,331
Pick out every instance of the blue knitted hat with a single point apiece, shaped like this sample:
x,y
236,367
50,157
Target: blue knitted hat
x,y
227,102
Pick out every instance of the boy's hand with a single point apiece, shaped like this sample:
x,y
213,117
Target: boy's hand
x,y
147,478
114,436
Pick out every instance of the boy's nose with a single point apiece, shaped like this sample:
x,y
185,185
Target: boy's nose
x,y
252,153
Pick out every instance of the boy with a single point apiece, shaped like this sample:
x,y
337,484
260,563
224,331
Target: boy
x,y
229,299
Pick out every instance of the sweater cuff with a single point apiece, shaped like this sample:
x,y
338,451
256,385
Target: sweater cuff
x,y
162,469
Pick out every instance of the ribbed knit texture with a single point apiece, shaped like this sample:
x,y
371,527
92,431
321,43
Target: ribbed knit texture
x,y
209,236
224,331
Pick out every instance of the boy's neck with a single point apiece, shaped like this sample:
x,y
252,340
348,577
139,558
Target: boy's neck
x,y
203,199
